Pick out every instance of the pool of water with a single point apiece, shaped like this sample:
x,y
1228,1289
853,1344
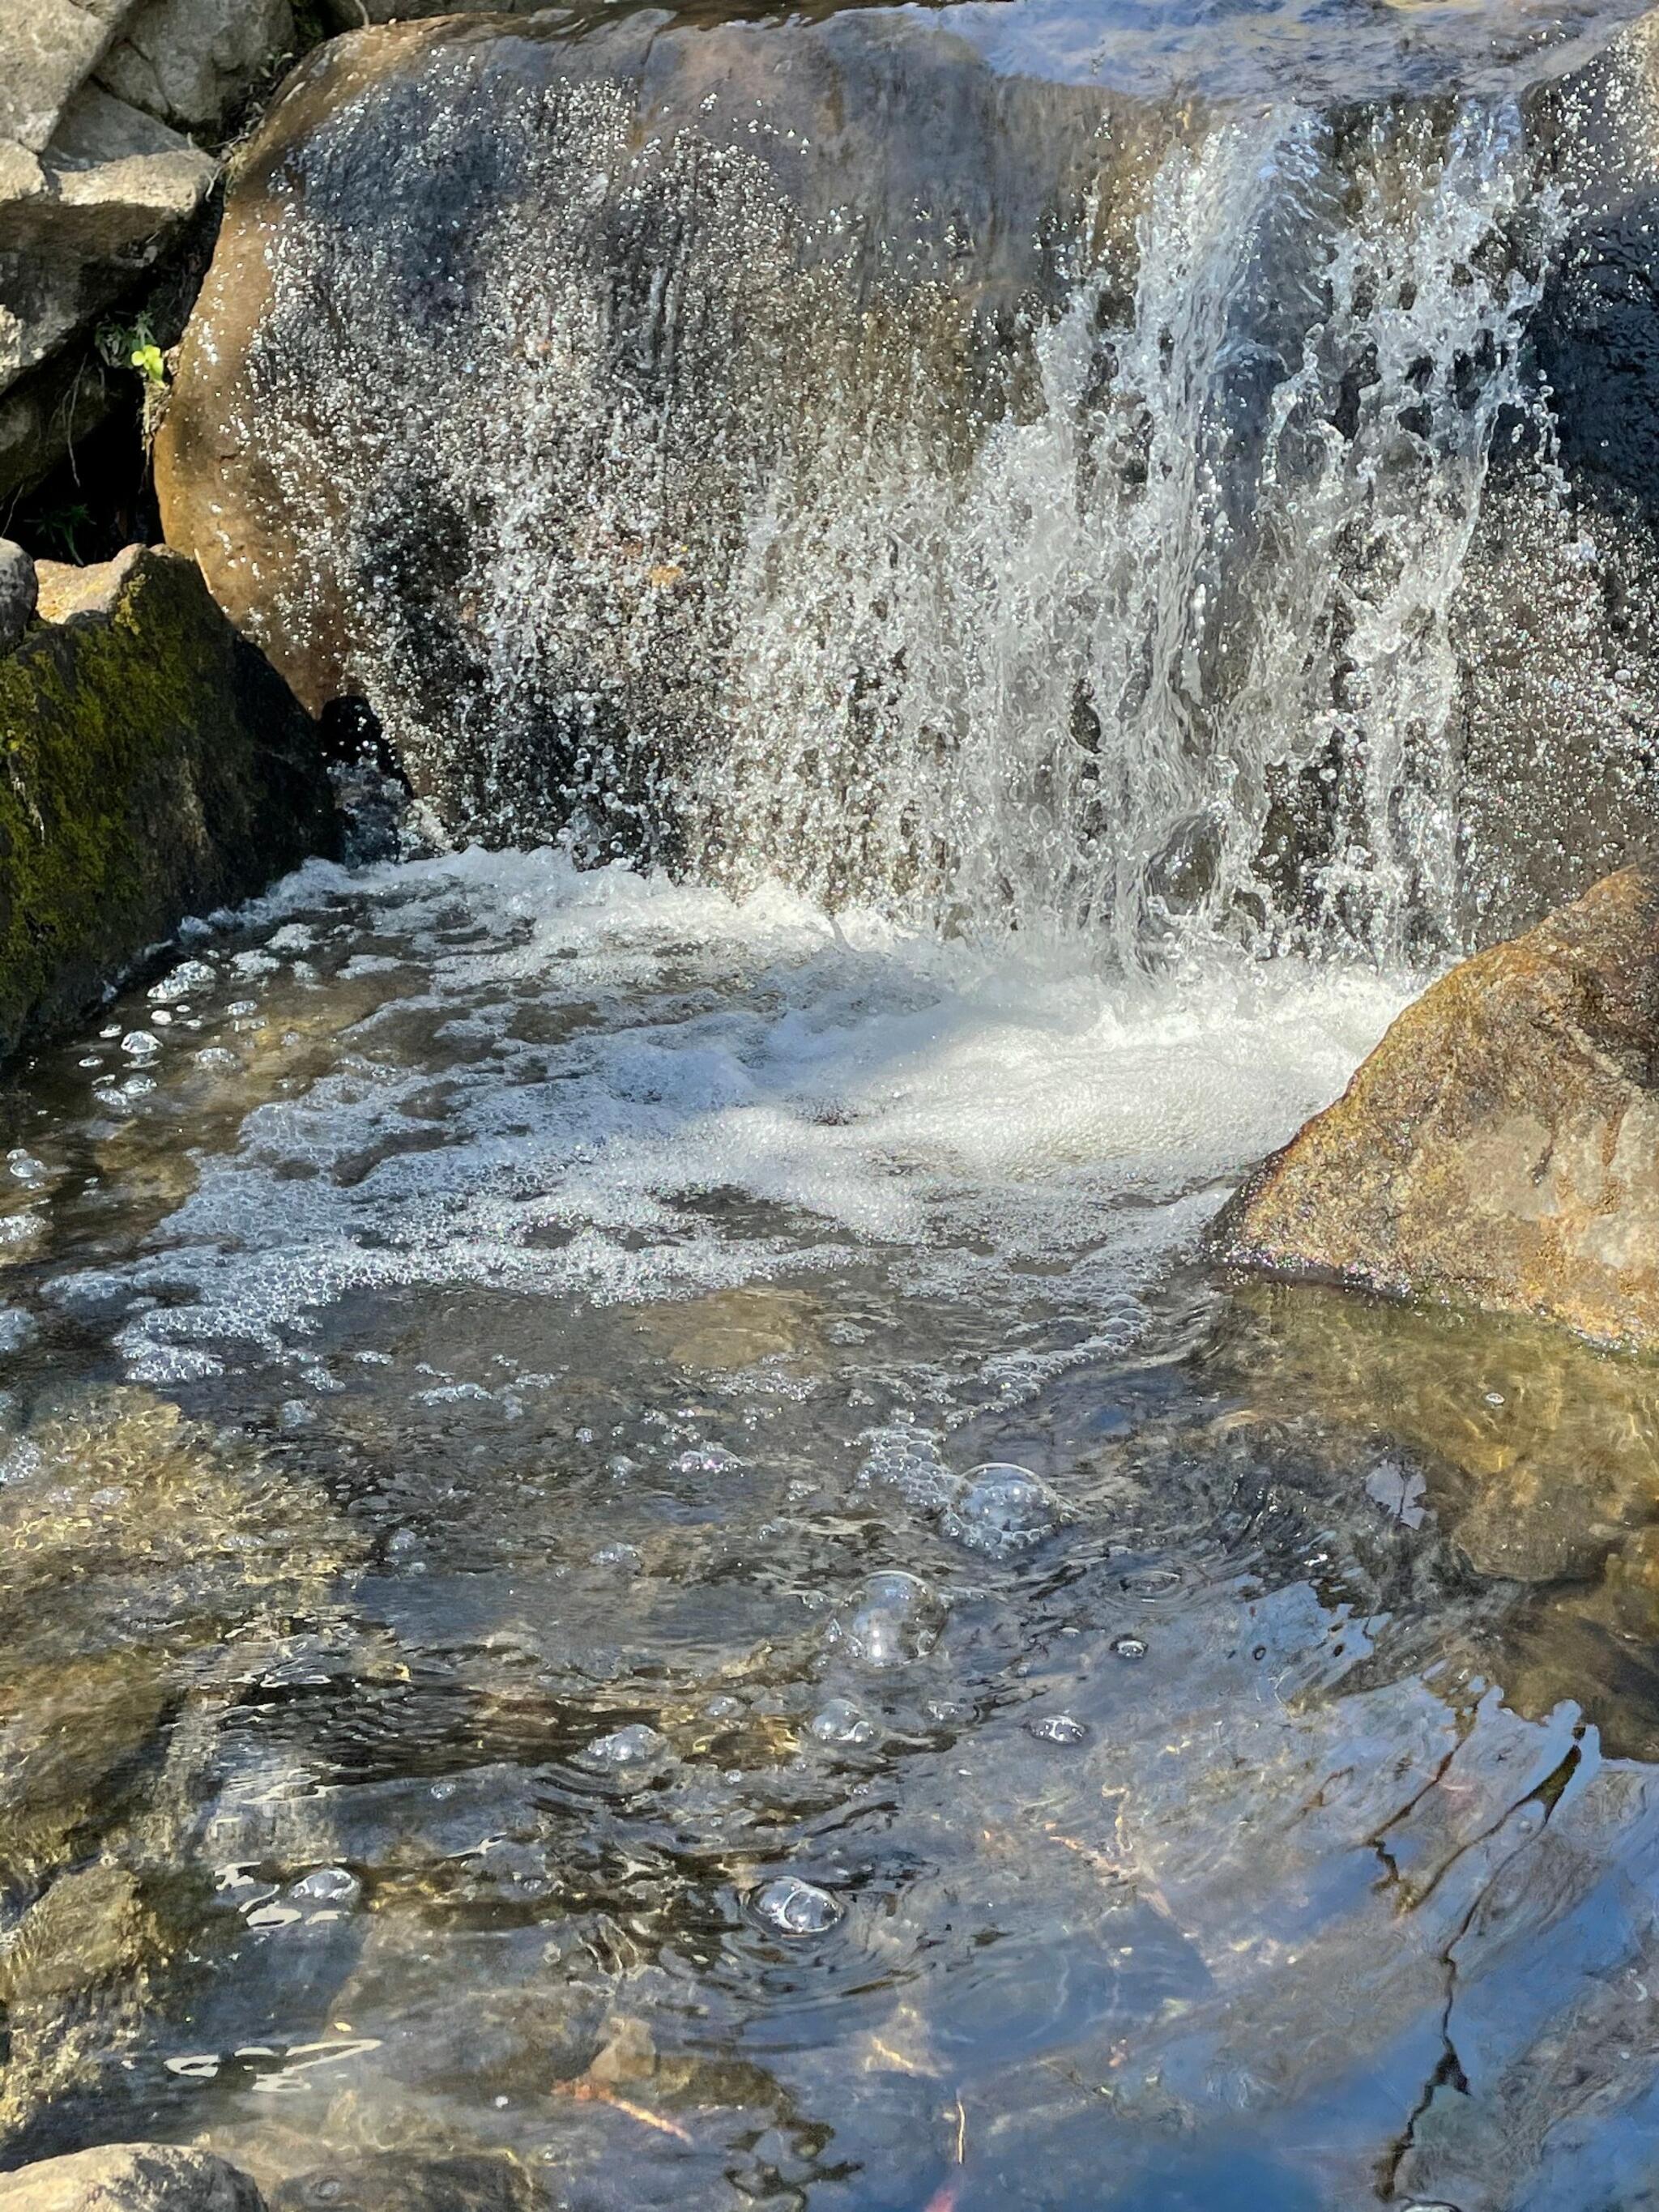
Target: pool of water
x,y
638,1564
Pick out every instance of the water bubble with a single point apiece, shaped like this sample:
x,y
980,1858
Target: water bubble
x,y
707,1459
140,1045
627,1556
1130,1647
631,1750
842,1722
190,976
330,1885
895,1618
1058,1728
25,1167
792,1907
1001,1509
1151,1583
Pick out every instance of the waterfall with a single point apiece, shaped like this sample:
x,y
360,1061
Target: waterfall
x,y
1057,524
1206,572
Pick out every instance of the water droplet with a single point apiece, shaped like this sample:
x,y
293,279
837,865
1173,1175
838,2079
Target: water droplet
x,y
792,1907
895,1618
1130,1647
1001,1509
1058,1728
841,1722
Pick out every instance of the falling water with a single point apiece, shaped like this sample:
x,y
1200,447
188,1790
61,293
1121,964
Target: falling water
x,y
1068,540
1070,683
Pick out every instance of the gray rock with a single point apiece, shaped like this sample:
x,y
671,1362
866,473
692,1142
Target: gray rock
x,y
191,62
98,183
19,590
131,2178
393,2182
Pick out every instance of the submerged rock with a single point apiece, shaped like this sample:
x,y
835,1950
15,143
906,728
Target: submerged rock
x,y
157,767
131,2178
1501,1146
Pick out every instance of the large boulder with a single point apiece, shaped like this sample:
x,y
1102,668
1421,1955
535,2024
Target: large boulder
x,y
157,766
846,445
1501,1144
131,2178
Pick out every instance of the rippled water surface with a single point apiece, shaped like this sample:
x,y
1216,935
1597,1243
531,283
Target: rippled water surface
x,y
636,1566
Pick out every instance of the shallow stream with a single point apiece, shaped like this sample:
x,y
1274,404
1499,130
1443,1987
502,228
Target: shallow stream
x,y
630,1534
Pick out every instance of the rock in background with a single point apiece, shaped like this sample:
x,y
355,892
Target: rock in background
x,y
108,110
157,766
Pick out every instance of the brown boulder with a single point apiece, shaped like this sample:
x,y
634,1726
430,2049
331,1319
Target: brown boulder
x,y
1500,1148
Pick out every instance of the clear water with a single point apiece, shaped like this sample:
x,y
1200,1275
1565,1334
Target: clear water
x,y
636,1566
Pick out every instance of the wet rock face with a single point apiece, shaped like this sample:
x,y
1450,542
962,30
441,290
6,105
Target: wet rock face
x,y
1501,1144
475,421
158,767
131,2178
798,439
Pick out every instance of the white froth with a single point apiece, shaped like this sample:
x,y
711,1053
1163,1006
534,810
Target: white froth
x,y
713,1092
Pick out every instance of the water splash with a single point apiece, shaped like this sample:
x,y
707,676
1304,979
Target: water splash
x,y
1094,581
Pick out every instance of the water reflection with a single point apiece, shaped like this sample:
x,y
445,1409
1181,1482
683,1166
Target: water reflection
x,y
843,1729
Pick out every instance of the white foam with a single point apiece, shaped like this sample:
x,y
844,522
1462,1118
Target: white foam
x,y
854,1089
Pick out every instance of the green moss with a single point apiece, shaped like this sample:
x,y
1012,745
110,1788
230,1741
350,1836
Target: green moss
x,y
151,765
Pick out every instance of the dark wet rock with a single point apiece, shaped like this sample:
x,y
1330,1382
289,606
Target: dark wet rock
x,y
1501,1144
395,2182
20,592
158,767
131,2178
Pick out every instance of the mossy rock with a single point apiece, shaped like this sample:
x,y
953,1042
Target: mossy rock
x,y
155,766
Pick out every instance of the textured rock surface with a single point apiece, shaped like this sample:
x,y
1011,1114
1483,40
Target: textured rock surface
x,y
363,459
19,590
1501,1144
100,175
131,2178
157,766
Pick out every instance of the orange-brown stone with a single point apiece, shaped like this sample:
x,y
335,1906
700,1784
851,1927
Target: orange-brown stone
x,y
1501,1146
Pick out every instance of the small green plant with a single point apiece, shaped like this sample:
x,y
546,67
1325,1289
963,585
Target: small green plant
x,y
132,346
59,529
